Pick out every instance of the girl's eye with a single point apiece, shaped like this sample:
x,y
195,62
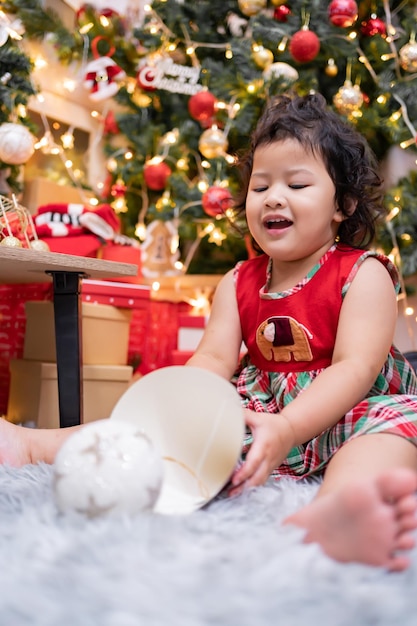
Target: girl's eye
x,y
260,188
297,186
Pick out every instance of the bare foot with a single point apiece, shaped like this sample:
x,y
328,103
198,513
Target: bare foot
x,y
14,450
365,522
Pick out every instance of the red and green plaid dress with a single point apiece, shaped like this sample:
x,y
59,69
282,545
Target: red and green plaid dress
x,y
290,338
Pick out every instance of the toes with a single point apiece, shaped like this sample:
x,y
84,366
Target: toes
x,y
398,484
398,563
405,542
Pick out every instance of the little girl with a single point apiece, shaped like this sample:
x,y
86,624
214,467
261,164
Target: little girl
x,y
324,391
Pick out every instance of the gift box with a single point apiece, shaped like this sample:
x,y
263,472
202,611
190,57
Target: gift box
x,y
105,333
33,396
39,191
190,331
12,327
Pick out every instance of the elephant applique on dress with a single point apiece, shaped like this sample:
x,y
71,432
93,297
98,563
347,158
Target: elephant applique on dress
x,y
281,338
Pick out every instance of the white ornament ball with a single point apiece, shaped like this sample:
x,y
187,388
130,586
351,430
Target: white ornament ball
x,y
16,143
40,245
107,467
280,70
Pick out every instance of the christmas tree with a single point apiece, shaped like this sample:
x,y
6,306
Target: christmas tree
x,y
184,82
16,139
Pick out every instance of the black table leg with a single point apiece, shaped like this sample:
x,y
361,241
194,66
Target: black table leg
x,y
68,336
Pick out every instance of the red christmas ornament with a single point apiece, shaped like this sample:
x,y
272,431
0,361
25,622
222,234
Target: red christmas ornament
x,y
118,189
343,13
216,200
156,175
304,45
281,13
201,106
110,124
374,26
146,77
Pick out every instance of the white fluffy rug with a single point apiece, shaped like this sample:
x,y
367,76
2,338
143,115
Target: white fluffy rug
x,y
231,564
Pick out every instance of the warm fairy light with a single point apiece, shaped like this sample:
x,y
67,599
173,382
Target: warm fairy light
x,y
405,237
283,44
104,21
39,63
407,143
409,310
229,53
155,160
112,164
95,114
156,285
40,98
182,164
393,213
178,265
251,88
171,47
190,50
352,35
395,116
205,164
68,164
387,57
230,159
381,99
86,28
128,155
67,140
119,205
202,185
93,201
69,84
171,137
21,110
140,231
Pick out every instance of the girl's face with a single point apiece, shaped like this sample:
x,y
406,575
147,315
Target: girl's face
x,y
290,206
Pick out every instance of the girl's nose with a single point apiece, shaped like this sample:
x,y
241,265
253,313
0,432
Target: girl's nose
x,y
274,198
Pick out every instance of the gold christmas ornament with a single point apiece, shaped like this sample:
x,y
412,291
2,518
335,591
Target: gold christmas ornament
x,y
408,57
263,57
277,3
251,7
348,99
331,68
11,242
213,143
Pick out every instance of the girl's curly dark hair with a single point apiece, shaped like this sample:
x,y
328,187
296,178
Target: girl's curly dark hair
x,y
349,160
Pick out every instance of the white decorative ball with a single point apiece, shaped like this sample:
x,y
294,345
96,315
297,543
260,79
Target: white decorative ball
x,y
40,245
107,467
16,143
280,70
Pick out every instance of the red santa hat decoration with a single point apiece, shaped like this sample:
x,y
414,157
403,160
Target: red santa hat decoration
x,y
102,74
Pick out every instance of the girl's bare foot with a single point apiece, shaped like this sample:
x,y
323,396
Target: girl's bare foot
x,y
366,522
14,448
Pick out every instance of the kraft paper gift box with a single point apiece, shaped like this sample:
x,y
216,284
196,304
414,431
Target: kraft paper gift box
x,y
33,393
105,333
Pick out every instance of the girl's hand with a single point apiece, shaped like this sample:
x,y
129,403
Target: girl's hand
x,y
273,439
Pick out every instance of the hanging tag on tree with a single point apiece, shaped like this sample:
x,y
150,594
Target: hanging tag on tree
x,y
102,74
